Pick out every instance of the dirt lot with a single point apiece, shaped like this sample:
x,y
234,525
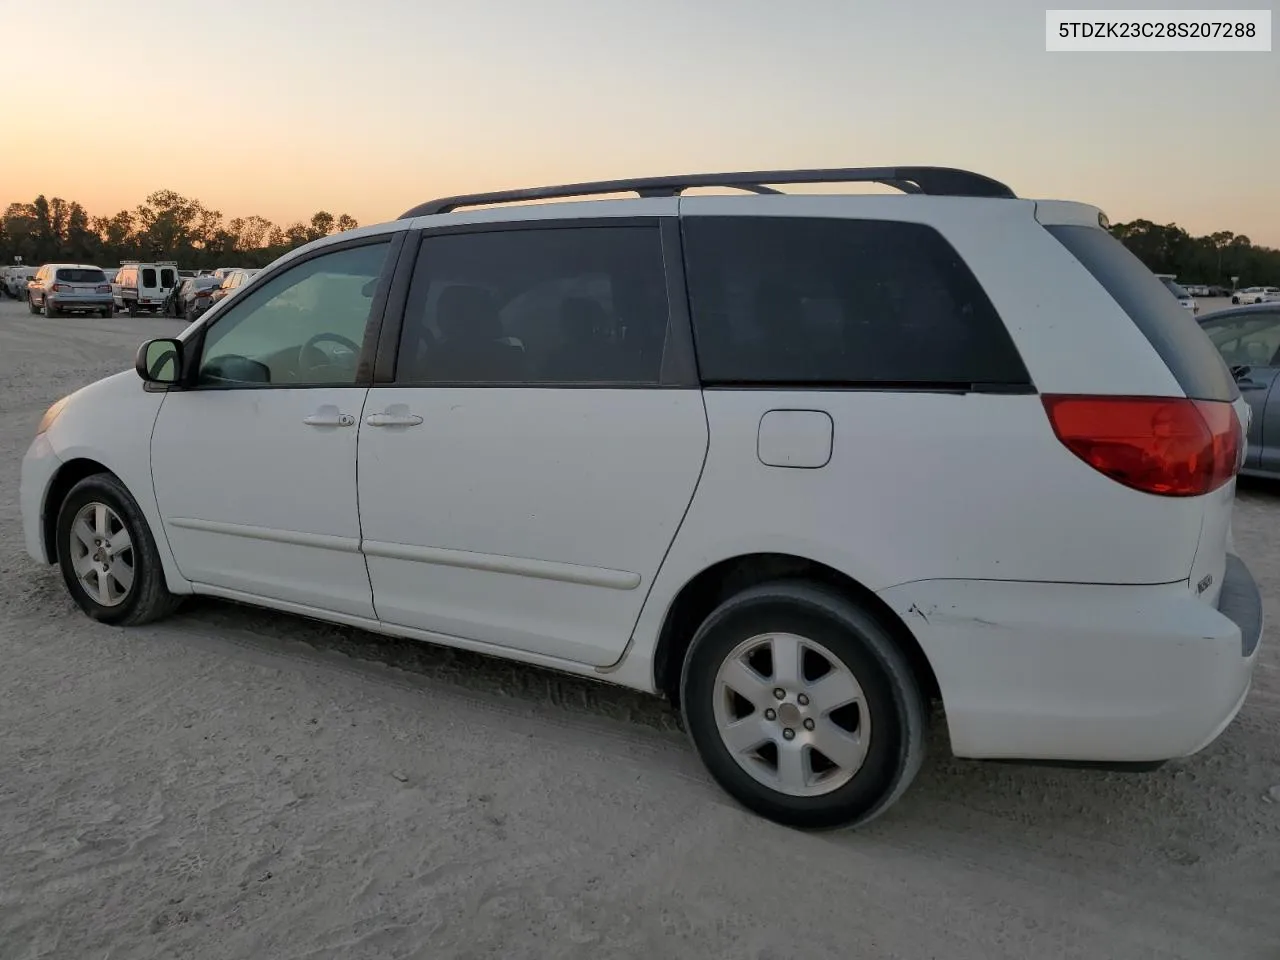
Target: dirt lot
x,y
234,783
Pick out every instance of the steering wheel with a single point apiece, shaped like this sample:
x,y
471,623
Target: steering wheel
x,y
310,348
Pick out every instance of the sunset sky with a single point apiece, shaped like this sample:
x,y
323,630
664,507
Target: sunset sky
x,y
282,108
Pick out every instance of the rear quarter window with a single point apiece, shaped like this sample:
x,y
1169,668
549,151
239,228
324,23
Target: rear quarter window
x,y
841,302
1170,329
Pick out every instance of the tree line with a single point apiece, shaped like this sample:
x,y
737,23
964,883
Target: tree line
x,y
1212,259
169,226
166,226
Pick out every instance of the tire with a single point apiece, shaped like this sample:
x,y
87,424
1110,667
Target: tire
x,y
133,308
31,306
50,310
146,596
888,714
106,313
1235,299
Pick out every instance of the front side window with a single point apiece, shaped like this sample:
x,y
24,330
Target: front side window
x,y
1247,341
303,327
568,305
815,301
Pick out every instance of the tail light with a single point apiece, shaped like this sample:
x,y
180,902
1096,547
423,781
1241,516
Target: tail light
x,y
1168,446
59,287
104,288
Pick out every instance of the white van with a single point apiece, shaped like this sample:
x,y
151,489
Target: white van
x,y
144,286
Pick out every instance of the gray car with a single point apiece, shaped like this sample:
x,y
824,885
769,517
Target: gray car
x,y
1249,340
60,288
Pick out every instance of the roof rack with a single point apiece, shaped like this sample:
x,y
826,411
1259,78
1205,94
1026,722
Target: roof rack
x,y
934,181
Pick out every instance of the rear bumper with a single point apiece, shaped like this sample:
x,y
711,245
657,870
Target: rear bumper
x,y
98,301
1085,672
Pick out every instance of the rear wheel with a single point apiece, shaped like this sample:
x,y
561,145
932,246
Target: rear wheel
x,y
802,706
133,308
107,555
50,310
32,306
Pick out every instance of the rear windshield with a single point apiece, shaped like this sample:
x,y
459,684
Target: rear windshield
x,y
77,275
166,277
149,277
1172,331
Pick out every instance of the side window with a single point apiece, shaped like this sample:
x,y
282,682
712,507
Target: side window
x,y
1249,341
835,301
554,305
304,326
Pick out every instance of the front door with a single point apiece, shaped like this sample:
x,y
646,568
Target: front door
x,y
524,476
255,466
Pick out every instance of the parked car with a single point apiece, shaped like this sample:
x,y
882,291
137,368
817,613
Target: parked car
x,y
1184,298
61,288
111,273
193,297
144,287
1217,291
801,463
1249,340
1196,289
1256,295
15,281
233,281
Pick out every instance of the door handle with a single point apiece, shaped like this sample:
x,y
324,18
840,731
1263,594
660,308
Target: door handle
x,y
396,415
328,416
392,420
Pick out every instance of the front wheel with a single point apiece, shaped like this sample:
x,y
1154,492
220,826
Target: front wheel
x,y
803,707
108,557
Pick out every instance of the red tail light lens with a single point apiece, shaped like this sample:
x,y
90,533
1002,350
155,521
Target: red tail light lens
x,y
1172,447
57,287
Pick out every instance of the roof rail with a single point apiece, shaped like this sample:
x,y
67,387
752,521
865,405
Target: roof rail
x,y
934,181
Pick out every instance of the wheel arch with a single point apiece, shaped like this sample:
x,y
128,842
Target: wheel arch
x,y
67,476
716,583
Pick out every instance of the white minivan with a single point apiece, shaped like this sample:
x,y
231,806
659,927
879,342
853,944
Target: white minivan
x,y
804,464
144,287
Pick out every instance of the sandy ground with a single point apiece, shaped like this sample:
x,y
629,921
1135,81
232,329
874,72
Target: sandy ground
x,y
243,784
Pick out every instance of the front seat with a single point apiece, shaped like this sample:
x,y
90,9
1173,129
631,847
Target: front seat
x,y
471,347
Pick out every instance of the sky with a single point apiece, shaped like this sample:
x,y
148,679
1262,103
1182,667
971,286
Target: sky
x,y
281,108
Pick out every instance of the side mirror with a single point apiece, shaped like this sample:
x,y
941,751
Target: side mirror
x,y
159,361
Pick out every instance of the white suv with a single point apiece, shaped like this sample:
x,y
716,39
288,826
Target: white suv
x,y
800,463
